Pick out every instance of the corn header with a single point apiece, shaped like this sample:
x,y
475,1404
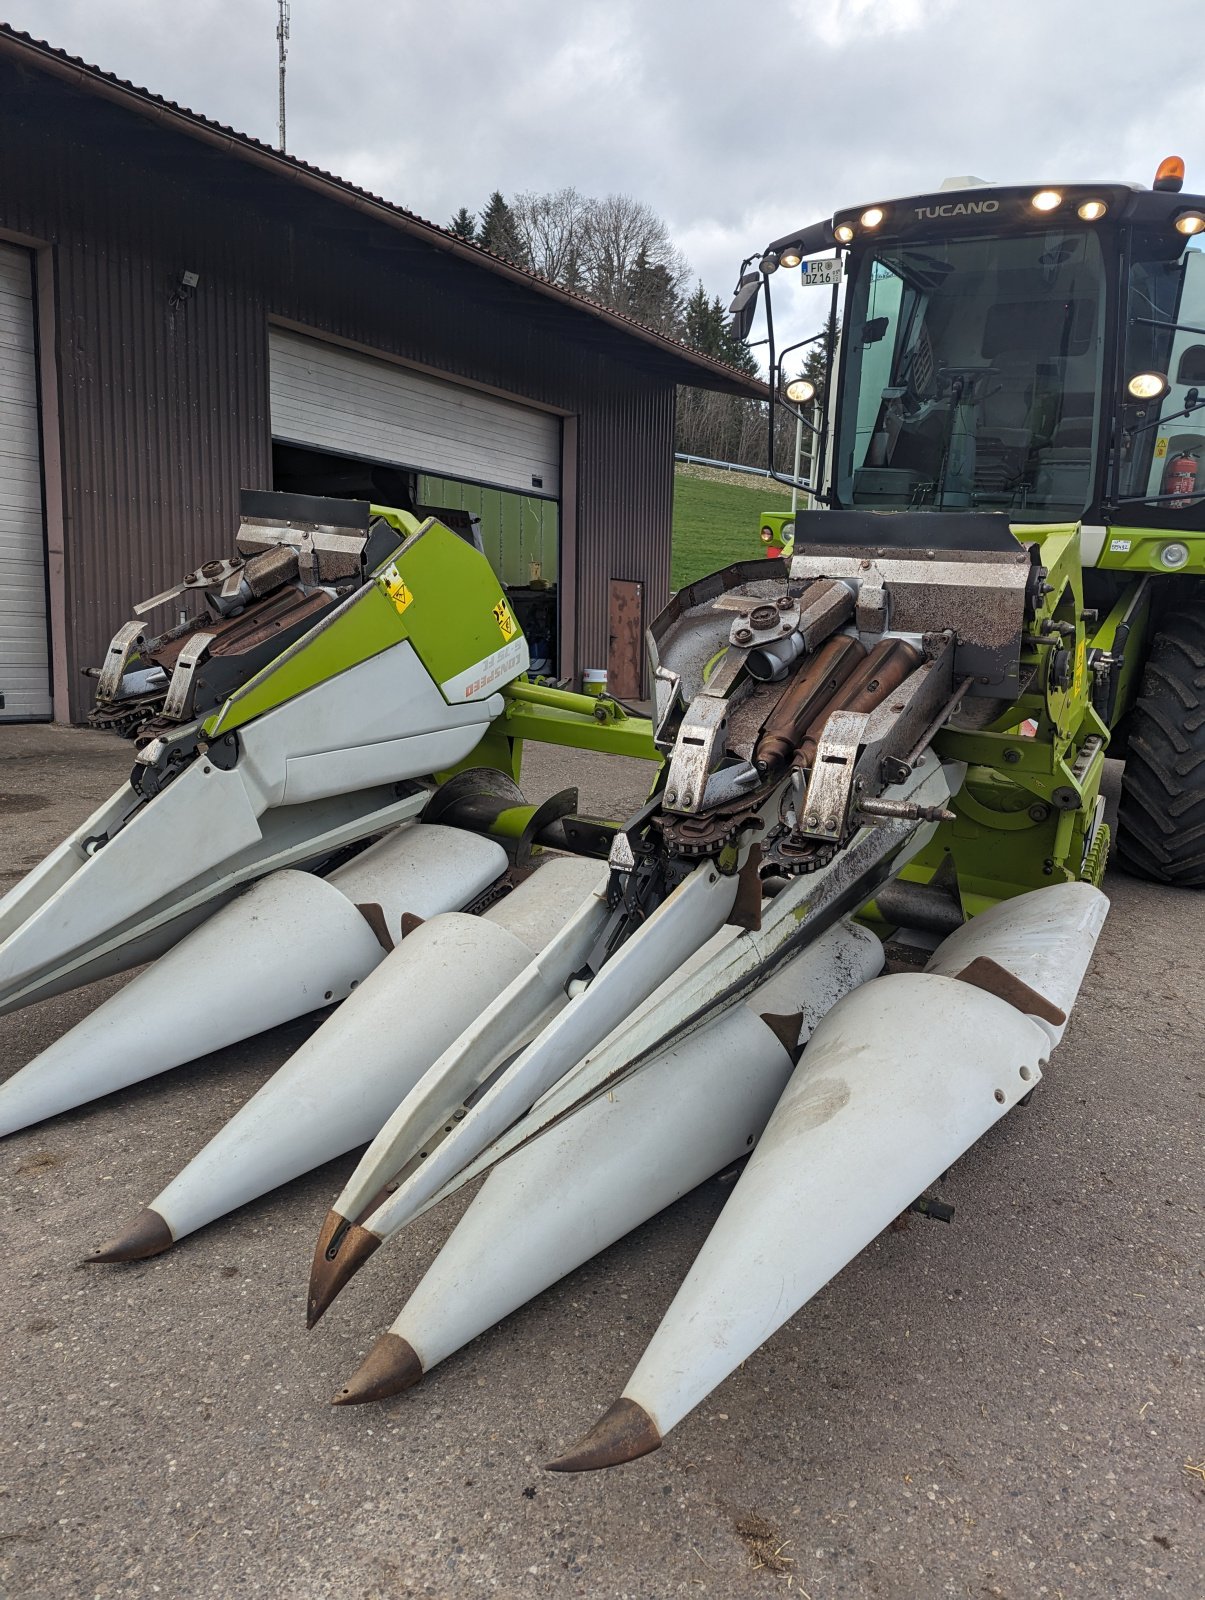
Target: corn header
x,y
323,812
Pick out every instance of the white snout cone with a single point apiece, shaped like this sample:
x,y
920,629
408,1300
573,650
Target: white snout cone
x,y
899,1079
338,1089
616,1161
291,943
1045,939
695,911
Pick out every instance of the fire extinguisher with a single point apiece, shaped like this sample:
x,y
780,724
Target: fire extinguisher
x,y
1180,478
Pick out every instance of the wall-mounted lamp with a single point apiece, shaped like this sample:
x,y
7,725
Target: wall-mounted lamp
x,y
184,290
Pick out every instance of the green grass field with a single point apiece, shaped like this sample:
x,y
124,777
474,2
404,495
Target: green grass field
x,y
716,520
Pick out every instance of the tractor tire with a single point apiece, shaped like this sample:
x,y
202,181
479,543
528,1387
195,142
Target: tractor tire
x,y
1161,821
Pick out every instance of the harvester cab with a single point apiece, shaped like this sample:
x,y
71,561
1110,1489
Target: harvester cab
x,y
1038,354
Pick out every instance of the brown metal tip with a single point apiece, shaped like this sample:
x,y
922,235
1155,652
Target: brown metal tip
x,y
624,1433
984,973
388,1368
342,1249
786,1029
147,1235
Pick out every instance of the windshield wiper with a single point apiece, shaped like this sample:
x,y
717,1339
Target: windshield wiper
x,y
1175,327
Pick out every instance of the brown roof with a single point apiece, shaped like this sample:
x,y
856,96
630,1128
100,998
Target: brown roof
x,y
697,369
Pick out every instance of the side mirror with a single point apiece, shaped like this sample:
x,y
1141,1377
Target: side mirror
x,y
744,304
874,330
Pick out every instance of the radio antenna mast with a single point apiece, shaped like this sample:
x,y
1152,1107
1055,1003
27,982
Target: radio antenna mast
x,y
282,44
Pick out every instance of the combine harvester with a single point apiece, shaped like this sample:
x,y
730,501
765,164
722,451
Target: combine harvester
x,y
894,741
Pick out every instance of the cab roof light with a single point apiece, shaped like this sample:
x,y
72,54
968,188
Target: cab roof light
x,y
790,256
872,217
1091,210
1170,175
843,232
1190,222
1046,200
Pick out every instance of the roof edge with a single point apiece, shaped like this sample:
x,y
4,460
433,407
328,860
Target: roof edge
x,y
26,50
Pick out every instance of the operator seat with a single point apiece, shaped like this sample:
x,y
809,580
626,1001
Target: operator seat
x,y
1005,412
1003,435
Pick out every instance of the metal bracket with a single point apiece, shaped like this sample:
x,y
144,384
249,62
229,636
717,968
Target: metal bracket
x,y
831,783
324,553
127,642
764,620
179,692
670,703
695,753
873,611
724,676
213,575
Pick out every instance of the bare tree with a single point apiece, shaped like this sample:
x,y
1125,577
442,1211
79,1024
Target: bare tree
x,y
551,228
620,232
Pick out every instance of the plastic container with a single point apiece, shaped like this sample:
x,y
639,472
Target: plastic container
x,y
594,681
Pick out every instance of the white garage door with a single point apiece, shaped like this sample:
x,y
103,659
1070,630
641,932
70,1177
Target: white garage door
x,y
24,656
333,399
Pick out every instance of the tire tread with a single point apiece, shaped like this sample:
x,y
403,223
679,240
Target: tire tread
x,y
1161,821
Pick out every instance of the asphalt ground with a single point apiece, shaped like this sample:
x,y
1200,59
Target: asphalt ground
x,y
1002,1407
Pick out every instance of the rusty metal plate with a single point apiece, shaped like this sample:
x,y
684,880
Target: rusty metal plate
x,y
625,627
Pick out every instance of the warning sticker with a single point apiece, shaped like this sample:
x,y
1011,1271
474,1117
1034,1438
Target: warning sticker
x,y
1160,449
506,622
395,587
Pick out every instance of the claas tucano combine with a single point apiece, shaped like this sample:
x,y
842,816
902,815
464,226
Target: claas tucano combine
x,y
846,931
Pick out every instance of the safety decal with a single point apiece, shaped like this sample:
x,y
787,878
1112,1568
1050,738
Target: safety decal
x,y
506,622
1160,449
395,587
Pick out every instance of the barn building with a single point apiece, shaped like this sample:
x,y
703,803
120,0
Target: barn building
x,y
185,312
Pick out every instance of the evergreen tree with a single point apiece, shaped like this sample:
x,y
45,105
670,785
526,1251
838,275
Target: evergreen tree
x,y
707,328
650,295
498,231
703,322
734,350
464,225
710,424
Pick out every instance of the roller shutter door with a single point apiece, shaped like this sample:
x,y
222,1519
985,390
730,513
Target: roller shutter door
x,y
328,398
24,652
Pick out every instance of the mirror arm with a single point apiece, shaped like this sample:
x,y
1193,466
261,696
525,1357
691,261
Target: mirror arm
x,y
1145,427
781,477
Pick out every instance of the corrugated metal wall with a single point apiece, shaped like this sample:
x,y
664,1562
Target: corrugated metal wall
x,y
164,406
626,493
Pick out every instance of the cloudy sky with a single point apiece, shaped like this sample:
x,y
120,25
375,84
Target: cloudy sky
x,y
734,121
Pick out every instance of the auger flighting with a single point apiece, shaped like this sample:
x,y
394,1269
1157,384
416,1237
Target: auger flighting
x,y
598,1017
